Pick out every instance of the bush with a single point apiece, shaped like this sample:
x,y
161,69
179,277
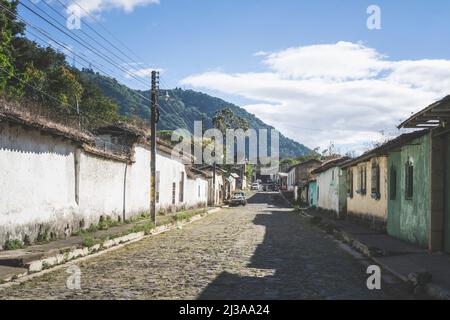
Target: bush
x,y
88,242
13,244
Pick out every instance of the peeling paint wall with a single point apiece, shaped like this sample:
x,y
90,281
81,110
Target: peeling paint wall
x,y
409,219
170,172
447,193
331,190
37,183
51,187
366,205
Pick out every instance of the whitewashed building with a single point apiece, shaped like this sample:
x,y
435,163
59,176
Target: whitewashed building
x,y
57,179
331,186
178,186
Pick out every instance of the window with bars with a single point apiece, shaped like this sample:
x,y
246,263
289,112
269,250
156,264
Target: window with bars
x,y
375,180
350,182
174,193
363,179
181,197
409,180
393,183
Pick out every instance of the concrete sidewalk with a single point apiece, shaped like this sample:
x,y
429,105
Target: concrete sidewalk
x,y
18,263
408,262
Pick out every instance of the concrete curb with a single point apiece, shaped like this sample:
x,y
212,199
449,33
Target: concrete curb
x,y
43,266
432,290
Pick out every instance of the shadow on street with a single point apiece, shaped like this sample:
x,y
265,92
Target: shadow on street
x,y
302,263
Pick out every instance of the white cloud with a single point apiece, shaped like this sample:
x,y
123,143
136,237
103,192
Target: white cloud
x,y
97,6
345,92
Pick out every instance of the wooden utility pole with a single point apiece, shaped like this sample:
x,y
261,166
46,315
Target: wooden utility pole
x,y
214,183
154,120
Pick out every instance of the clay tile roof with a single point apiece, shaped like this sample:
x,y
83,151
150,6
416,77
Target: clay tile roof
x,y
13,112
122,127
331,164
386,147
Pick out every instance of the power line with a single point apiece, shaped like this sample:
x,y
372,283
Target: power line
x,y
109,32
81,42
65,47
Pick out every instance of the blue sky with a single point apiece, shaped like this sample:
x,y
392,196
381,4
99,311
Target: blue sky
x,y
210,45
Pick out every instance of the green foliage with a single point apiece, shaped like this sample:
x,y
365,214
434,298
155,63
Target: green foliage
x,y
106,223
9,29
29,70
13,244
88,241
92,228
146,228
226,119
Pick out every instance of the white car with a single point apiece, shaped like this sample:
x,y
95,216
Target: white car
x,y
255,186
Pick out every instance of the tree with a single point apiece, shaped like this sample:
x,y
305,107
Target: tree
x,y
226,119
62,84
9,29
96,108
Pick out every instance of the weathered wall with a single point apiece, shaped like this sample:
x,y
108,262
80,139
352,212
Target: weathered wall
x,y
447,194
409,219
331,195
366,205
196,192
50,187
291,179
37,183
170,172
114,188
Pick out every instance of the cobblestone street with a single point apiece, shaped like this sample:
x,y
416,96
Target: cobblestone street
x,y
262,251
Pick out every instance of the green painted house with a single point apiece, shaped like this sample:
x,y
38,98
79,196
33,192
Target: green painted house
x,y
409,187
424,219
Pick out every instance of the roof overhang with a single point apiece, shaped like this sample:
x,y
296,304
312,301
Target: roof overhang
x,y
434,116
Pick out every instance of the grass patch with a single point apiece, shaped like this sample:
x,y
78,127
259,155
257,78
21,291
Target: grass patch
x,y
146,228
89,242
13,244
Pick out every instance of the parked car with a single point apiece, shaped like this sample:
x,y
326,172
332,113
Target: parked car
x,y
256,186
238,199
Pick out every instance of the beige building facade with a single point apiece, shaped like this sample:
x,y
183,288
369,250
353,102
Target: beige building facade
x,y
367,184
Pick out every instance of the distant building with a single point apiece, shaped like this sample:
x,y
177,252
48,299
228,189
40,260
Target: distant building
x,y
298,177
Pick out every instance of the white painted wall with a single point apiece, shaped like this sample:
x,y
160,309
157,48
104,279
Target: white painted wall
x,y
169,172
331,191
196,192
114,188
48,183
291,179
37,182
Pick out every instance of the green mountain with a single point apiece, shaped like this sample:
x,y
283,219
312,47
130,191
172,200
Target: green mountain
x,y
180,108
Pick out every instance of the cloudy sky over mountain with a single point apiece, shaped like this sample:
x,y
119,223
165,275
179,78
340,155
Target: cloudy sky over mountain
x,y
344,92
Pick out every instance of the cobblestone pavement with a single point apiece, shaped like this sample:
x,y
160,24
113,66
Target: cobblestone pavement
x,y
262,251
